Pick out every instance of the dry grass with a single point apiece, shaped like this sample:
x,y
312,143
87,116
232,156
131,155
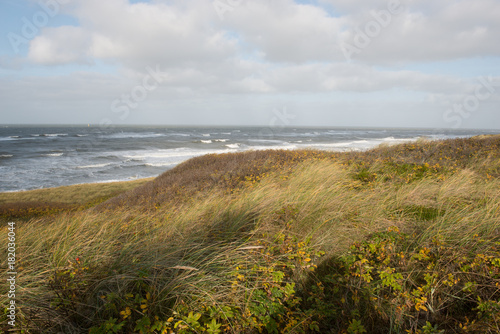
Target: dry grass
x,y
210,236
227,172
233,170
29,204
76,194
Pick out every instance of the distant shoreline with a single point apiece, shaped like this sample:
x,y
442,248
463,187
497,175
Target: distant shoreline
x,y
145,179
43,157
409,228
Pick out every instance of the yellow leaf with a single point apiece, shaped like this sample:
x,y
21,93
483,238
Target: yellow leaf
x,y
419,307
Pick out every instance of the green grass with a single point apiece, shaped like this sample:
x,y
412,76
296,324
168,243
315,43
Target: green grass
x,y
396,239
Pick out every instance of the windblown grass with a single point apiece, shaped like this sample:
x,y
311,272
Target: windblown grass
x,y
40,202
396,239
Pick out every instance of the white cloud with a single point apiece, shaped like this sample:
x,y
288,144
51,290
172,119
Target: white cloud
x,y
62,45
181,34
260,48
286,32
424,30
134,35
141,34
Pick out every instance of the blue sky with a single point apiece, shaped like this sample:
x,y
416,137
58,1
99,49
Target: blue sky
x,y
328,62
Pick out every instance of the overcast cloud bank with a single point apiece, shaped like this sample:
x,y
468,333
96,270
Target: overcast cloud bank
x,y
331,62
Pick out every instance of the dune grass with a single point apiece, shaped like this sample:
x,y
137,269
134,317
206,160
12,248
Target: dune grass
x,y
28,204
396,239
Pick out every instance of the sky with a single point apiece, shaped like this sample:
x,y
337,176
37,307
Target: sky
x,y
336,63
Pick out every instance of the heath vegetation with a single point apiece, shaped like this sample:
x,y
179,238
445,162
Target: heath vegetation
x,y
398,239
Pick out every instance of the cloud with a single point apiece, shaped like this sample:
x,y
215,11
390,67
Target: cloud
x,y
179,34
11,63
284,31
141,34
261,48
423,31
62,45
293,47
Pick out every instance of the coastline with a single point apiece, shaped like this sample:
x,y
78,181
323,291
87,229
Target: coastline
x,y
83,194
326,241
50,157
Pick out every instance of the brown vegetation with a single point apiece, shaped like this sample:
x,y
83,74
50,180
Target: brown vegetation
x,y
397,239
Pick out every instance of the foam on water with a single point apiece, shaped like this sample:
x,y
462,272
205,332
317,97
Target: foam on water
x,y
94,166
54,135
163,164
56,156
52,154
126,135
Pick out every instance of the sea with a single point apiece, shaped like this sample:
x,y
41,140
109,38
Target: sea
x,y
35,157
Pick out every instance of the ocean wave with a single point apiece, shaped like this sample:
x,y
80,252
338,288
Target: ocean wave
x,y
153,156
399,140
52,154
274,141
12,138
6,156
94,166
345,144
54,135
362,144
167,153
81,135
162,164
271,133
233,145
140,159
341,132
273,147
16,138
221,140
206,141
205,134
124,135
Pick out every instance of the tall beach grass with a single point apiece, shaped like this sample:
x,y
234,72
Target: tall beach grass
x,y
396,239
